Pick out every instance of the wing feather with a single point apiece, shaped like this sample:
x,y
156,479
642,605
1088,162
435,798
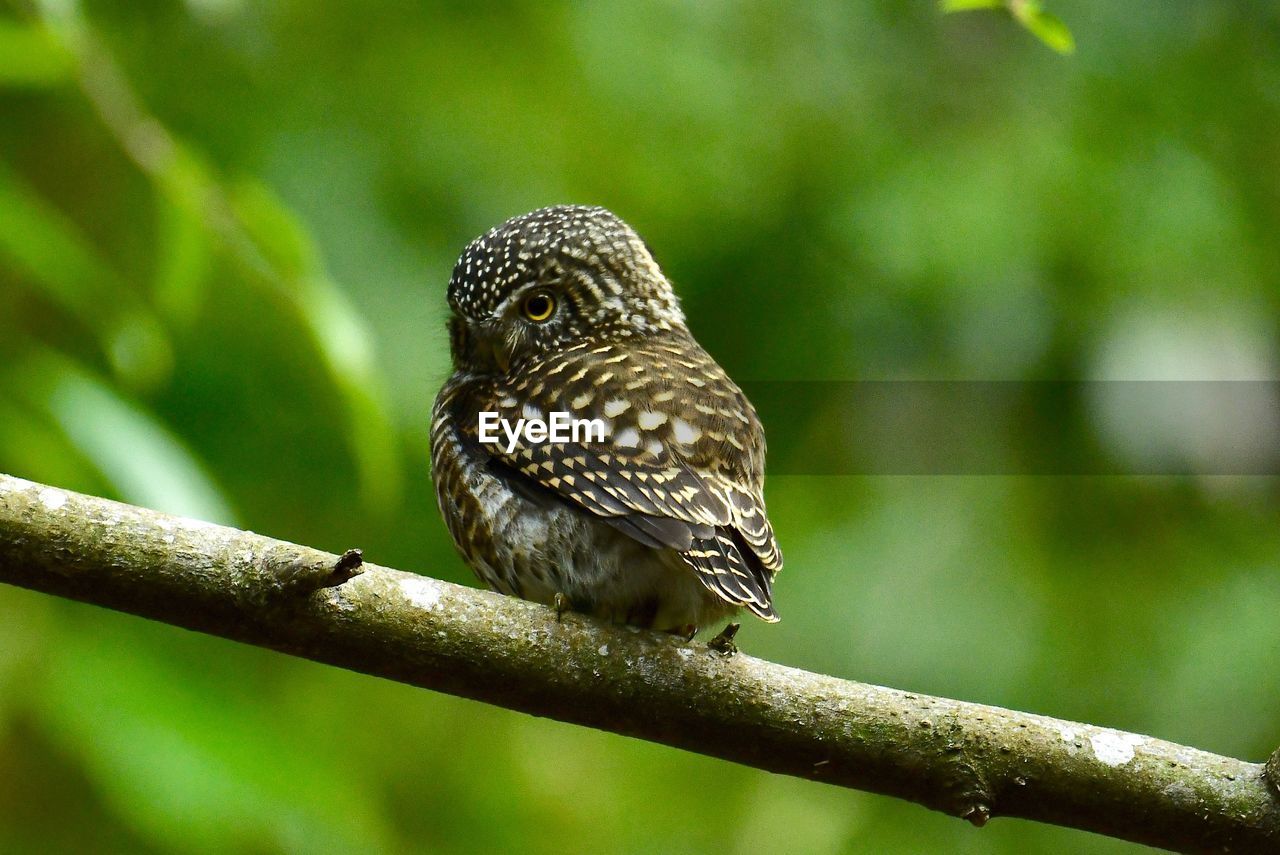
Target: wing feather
x,y
680,473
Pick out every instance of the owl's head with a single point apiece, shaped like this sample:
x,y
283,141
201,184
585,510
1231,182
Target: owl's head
x,y
550,279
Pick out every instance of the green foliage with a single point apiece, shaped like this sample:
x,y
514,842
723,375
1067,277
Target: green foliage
x,y
225,230
33,56
1045,26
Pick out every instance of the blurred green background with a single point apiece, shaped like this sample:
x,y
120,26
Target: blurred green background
x,y
225,232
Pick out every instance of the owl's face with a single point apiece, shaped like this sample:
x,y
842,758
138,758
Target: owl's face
x,y
550,279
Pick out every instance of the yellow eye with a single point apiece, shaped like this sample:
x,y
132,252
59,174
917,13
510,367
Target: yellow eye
x,y
539,306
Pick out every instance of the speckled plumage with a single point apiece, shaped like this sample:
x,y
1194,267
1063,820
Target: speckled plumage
x,y
663,523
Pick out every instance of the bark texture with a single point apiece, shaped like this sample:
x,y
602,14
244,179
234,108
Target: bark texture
x,y
965,759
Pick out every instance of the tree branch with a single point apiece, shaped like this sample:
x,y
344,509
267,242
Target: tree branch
x,y
965,759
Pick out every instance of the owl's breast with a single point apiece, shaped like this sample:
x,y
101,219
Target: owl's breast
x,y
518,539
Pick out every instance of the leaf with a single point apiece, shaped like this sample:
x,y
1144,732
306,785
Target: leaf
x,y
49,248
32,446
1030,13
137,347
189,758
1046,27
182,261
258,230
970,5
32,56
346,344
63,266
139,457
283,241
338,332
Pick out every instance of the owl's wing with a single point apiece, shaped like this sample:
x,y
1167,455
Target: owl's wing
x,y
679,466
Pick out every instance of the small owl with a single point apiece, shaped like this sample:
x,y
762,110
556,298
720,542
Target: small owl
x,y
657,518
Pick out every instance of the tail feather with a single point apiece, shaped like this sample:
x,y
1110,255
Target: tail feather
x,y
732,572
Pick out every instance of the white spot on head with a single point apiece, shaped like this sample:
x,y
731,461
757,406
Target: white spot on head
x,y
1113,748
52,499
531,412
422,592
654,447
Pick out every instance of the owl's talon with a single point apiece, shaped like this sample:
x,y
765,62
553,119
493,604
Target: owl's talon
x,y
723,643
688,632
561,604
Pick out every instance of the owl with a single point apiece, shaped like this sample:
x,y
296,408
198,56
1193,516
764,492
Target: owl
x,y
656,518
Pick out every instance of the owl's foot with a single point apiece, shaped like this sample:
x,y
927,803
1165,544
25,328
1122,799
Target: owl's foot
x,y
723,643
688,631
561,604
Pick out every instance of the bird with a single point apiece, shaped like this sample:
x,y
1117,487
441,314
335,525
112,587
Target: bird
x,y
658,523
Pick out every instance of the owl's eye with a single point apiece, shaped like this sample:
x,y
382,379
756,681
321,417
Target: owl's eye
x,y
539,306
